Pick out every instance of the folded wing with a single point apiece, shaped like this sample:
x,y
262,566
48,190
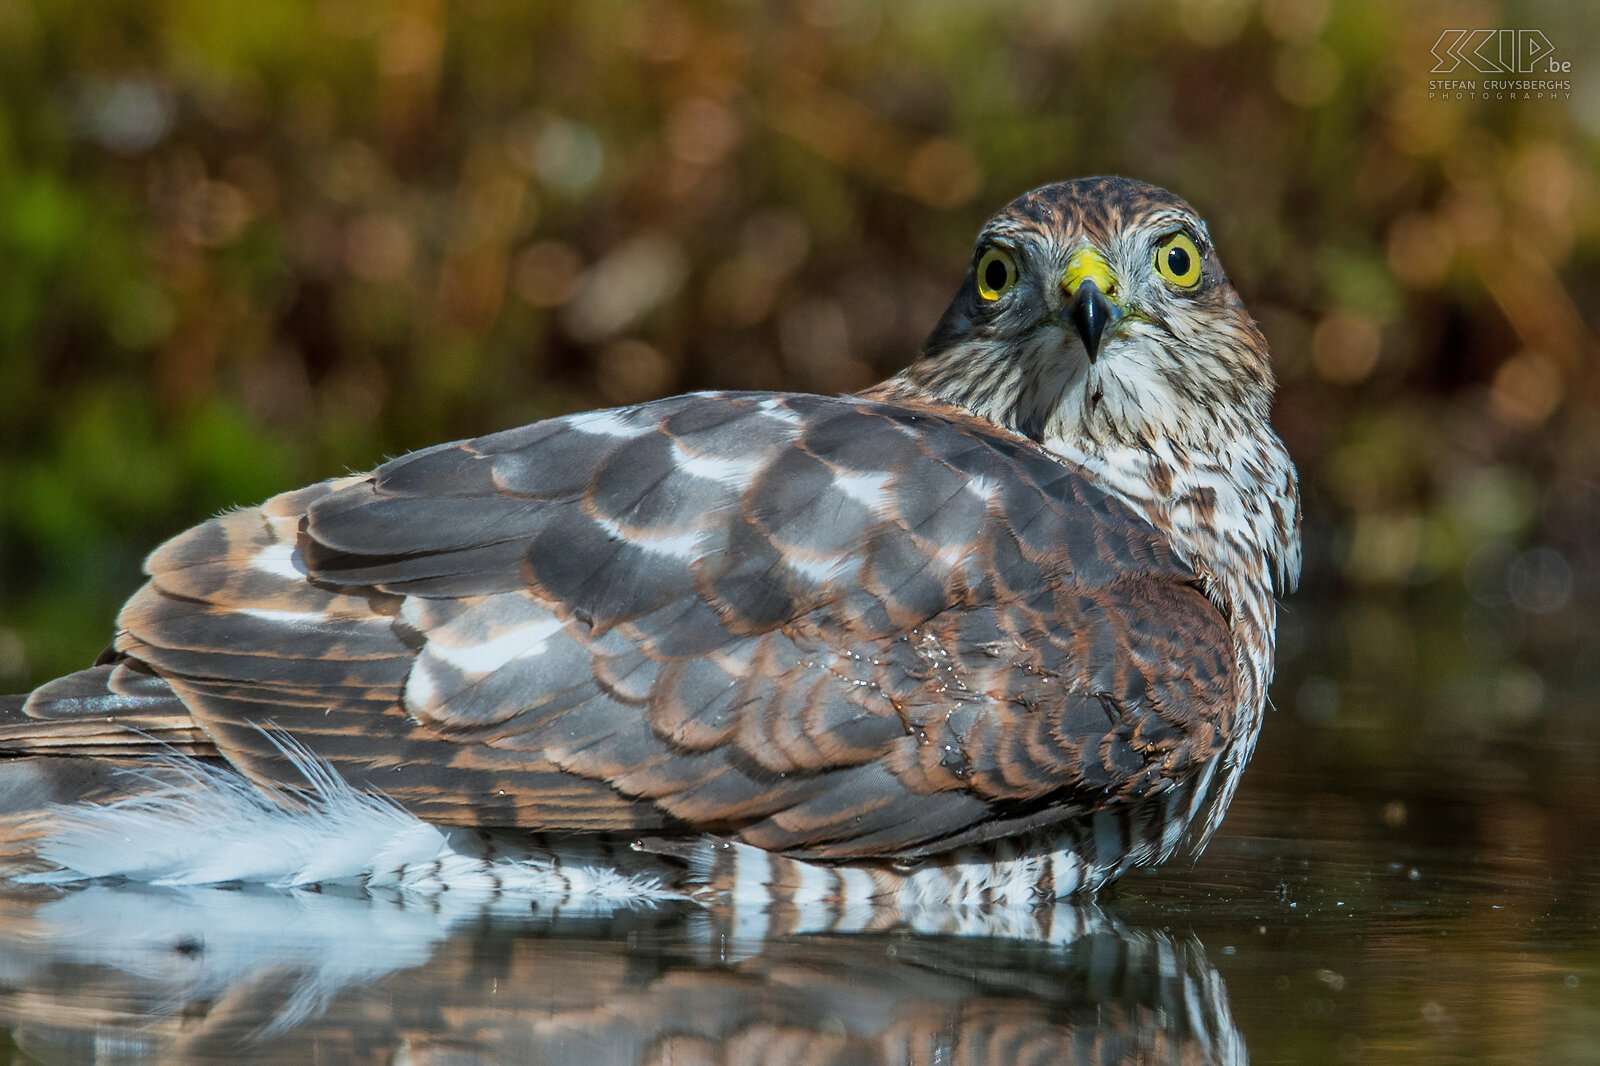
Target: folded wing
x,y
831,627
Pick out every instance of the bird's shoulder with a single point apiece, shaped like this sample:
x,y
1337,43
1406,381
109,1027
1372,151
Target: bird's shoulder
x,y
618,513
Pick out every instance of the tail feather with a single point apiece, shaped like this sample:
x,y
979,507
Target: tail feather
x,y
116,708
106,688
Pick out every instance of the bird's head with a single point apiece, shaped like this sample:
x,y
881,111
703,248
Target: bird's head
x,y
1095,312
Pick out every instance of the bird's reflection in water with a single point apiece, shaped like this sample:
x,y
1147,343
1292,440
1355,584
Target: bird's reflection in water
x,y
112,974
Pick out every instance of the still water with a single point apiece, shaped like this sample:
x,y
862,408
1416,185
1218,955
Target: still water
x,y
1411,874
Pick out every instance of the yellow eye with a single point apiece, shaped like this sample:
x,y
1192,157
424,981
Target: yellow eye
x,y
997,272
1178,260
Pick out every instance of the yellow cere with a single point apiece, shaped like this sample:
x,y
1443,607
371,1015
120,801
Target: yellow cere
x,y
1089,264
997,272
1178,260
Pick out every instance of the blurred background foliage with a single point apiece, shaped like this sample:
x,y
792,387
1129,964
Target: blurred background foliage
x,y
247,246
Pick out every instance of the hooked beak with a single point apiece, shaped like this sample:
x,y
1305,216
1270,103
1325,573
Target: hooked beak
x,y
1090,286
1090,311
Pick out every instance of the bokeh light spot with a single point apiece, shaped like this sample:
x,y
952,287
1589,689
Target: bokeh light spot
x,y
1527,389
943,173
1345,347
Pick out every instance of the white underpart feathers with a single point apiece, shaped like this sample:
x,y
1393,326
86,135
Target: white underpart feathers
x,y
199,825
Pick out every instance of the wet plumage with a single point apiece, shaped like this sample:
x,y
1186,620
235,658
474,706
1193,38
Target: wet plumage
x,y
1016,601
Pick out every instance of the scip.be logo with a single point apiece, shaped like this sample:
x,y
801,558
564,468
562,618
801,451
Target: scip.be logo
x,y
1497,52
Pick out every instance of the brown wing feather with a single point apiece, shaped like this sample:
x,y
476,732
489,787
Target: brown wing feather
x,y
828,626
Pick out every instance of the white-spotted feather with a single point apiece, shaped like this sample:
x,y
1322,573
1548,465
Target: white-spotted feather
x,y
479,657
281,559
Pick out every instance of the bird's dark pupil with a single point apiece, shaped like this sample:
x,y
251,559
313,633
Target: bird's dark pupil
x,y
994,275
1178,261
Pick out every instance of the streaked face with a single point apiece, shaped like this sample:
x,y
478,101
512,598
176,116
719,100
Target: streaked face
x,y
1097,308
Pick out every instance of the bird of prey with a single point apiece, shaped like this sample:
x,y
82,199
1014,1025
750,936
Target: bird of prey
x,y
998,627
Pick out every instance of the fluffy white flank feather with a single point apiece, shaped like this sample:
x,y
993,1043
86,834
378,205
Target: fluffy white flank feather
x,y
193,823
